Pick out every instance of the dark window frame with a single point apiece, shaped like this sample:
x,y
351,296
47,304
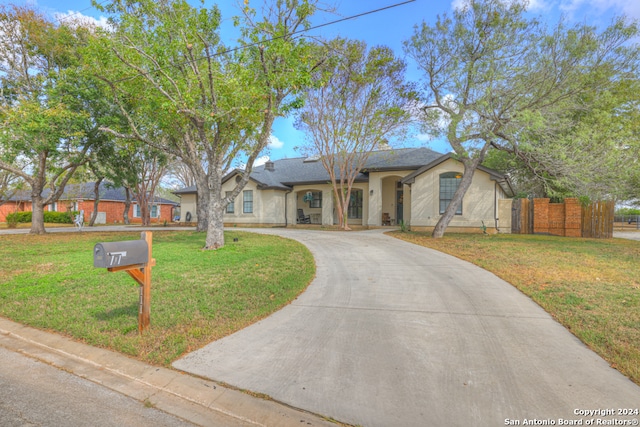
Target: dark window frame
x,y
231,206
316,199
449,183
247,203
356,204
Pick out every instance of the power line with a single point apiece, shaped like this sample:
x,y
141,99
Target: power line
x,y
62,18
315,27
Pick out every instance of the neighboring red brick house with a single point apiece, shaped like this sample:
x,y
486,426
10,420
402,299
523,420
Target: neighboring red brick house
x,y
80,197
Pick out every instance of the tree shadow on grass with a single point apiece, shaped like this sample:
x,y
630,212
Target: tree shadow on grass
x,y
130,310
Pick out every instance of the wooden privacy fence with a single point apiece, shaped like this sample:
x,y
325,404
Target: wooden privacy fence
x,y
597,220
522,216
538,216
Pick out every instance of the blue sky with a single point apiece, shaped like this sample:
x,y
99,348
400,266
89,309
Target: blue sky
x,y
389,27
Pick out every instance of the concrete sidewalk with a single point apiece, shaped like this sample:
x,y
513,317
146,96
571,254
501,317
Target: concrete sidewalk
x,y
393,334
199,401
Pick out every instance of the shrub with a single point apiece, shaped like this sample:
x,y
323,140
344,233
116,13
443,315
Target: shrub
x,y
58,217
49,217
628,211
11,221
19,217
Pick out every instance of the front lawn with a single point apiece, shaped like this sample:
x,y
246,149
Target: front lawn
x,y
196,296
591,286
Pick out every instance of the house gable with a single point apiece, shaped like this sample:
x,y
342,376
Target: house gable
x,y
501,179
479,205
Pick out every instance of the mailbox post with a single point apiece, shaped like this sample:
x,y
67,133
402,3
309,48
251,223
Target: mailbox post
x,y
134,257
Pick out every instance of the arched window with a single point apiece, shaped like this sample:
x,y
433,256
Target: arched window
x,y
449,182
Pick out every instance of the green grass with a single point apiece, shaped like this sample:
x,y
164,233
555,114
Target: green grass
x,y
197,296
591,286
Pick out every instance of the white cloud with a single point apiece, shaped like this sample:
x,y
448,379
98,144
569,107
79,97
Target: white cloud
x,y
258,162
534,5
275,143
261,161
631,8
71,17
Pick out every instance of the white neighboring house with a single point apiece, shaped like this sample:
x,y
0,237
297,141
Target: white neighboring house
x,y
412,185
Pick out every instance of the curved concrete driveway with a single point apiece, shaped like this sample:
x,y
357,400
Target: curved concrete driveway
x,y
393,334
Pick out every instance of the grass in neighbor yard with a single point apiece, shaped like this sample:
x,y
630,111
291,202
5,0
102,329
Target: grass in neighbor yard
x,y
197,296
591,286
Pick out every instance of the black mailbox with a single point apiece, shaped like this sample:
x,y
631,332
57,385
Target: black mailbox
x,y
117,254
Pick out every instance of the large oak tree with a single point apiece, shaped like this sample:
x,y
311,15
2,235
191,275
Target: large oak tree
x,y
211,103
493,78
46,133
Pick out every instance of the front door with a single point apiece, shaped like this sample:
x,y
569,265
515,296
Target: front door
x,y
399,209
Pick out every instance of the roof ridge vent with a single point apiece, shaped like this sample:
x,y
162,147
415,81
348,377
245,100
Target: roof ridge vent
x,y
313,158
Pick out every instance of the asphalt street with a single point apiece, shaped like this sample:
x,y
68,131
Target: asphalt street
x,y
33,393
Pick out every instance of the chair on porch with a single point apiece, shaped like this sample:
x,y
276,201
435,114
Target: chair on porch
x,y
302,218
386,219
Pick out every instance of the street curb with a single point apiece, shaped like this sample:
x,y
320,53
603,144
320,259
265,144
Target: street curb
x,y
197,400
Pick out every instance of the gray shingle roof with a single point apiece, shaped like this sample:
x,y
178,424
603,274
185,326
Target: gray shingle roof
x,y
289,172
85,191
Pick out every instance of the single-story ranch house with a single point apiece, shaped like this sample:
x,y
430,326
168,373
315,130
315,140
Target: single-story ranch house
x,y
413,185
81,197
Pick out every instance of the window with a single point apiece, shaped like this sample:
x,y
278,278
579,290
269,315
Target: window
x,y
449,183
154,211
247,201
355,205
53,207
316,199
230,206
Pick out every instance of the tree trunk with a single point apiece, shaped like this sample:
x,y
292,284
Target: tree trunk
x,y
339,208
145,214
96,201
127,206
215,230
202,204
469,170
37,215
346,199
215,226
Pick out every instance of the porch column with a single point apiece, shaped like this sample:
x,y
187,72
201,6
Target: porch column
x,y
291,213
374,216
406,208
327,207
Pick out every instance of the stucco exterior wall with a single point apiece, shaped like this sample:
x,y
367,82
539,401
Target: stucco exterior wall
x,y
317,214
327,215
268,206
479,203
383,199
504,215
188,204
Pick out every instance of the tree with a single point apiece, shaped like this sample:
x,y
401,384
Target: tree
x,y
43,122
179,175
361,102
210,104
496,79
